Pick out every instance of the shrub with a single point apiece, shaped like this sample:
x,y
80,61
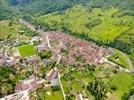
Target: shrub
x,y
93,23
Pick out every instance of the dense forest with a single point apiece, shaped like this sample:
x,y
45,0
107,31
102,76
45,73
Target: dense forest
x,y
36,7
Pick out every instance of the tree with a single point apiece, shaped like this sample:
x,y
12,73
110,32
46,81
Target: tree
x,y
98,88
45,54
90,67
68,97
127,95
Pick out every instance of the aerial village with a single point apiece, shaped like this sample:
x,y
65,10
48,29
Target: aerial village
x,y
46,60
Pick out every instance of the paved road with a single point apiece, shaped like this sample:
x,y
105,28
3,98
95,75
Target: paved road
x,y
49,45
22,95
48,41
41,31
61,87
105,60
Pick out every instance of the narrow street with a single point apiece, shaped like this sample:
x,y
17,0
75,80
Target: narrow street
x,y
61,87
50,47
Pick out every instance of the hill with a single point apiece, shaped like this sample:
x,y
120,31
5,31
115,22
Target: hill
x,y
37,7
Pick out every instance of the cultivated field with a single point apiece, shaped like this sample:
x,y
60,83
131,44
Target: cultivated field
x,y
98,24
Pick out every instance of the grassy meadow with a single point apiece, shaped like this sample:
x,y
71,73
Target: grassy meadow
x,y
13,30
49,94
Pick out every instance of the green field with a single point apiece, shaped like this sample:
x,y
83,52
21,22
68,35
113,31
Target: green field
x,y
48,94
75,80
125,41
27,50
6,30
79,20
13,30
127,37
121,59
57,95
123,82
3,31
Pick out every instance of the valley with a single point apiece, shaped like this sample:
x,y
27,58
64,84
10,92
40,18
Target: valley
x,y
66,50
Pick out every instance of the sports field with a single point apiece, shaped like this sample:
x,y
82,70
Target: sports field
x,y
27,50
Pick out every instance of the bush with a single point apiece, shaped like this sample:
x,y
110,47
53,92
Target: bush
x,y
114,88
55,88
97,88
93,23
126,96
45,55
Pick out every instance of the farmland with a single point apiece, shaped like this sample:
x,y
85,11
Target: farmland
x,y
79,20
126,40
72,82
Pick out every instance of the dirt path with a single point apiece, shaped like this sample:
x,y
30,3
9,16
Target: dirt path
x,y
49,45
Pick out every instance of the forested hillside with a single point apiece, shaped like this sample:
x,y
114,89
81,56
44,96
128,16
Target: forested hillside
x,y
36,7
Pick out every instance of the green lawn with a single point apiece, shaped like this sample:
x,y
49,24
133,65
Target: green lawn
x,y
57,95
43,94
123,82
27,50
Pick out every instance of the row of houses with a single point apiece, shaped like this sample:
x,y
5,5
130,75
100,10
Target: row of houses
x,y
52,77
9,61
31,84
90,51
23,87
